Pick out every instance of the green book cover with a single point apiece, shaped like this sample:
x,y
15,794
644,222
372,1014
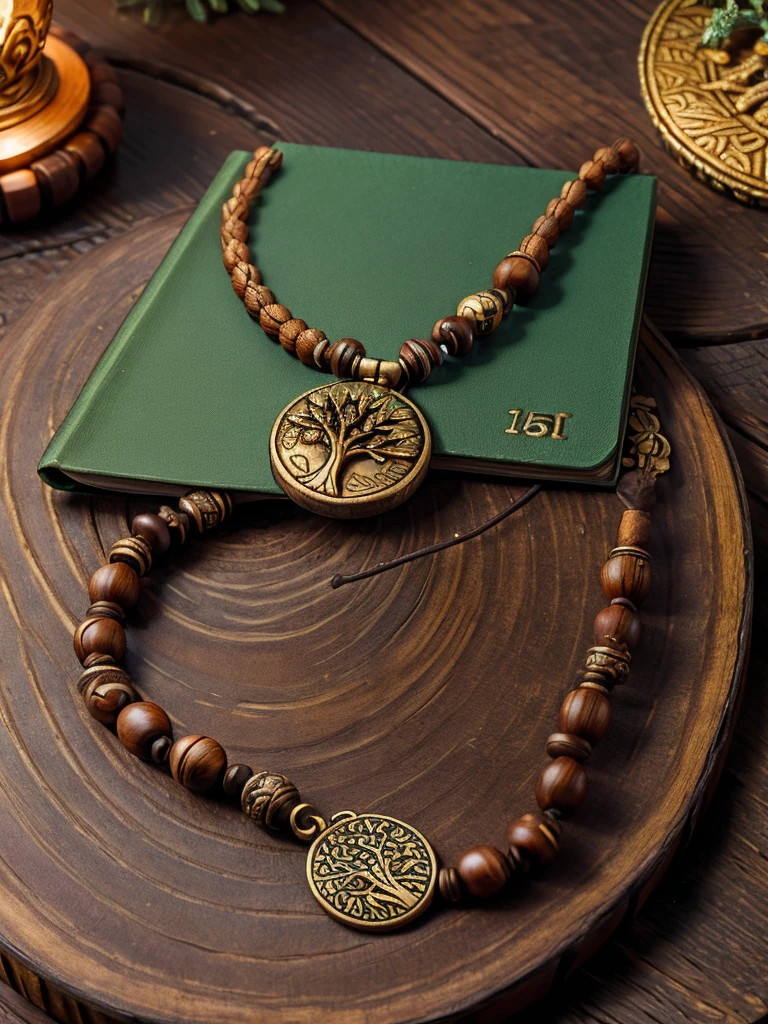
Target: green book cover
x,y
372,246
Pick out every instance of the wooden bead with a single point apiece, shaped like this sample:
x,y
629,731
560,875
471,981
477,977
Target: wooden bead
x,y
575,192
134,551
536,836
236,206
628,153
161,750
266,161
634,529
21,195
117,582
256,297
197,762
105,610
206,509
616,625
234,253
235,778
627,575
517,274
177,522
562,785
108,94
449,884
534,245
307,342
153,530
609,158
592,173
106,123
272,318
566,744
58,177
140,724
484,870
88,151
106,690
484,310
586,712
418,357
244,274
99,636
454,333
547,227
562,211
289,332
343,356
248,188
234,228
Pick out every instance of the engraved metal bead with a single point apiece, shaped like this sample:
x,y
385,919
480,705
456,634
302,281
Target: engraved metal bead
x,y
206,509
609,661
177,522
268,798
484,310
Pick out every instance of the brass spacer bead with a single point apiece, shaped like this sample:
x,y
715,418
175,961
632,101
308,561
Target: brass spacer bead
x,y
449,884
590,684
134,551
633,552
206,509
526,256
268,799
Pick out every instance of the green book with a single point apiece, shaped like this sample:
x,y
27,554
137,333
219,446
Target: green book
x,y
372,246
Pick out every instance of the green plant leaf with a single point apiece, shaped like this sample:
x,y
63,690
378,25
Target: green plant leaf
x,y
273,6
219,6
196,9
250,6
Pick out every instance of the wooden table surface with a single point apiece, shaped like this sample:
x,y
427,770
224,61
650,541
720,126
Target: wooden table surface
x,y
525,83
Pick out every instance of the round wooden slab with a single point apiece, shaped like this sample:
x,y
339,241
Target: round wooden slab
x,y
426,693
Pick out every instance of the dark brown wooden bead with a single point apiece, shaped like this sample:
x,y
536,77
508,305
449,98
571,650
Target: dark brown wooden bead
x,y
106,123
566,744
58,176
235,778
449,884
586,712
609,158
243,275
536,836
628,153
108,94
306,343
592,173
617,625
548,228
562,211
197,762
161,749
154,531
90,153
634,529
418,357
21,195
289,332
562,785
140,724
256,297
519,275
484,870
116,582
454,333
99,636
575,192
106,690
343,356
273,317
535,246
627,575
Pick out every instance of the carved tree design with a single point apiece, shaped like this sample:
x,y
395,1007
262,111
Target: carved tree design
x,y
351,422
373,869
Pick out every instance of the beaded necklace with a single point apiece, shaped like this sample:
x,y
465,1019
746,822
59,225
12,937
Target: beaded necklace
x,y
373,871
359,447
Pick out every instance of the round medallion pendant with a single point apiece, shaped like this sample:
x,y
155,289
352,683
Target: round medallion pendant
x,y
350,449
371,871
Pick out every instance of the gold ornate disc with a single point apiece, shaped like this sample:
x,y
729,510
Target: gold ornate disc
x,y
371,871
710,106
350,449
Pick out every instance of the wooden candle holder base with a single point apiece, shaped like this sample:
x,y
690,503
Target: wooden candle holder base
x,y
48,157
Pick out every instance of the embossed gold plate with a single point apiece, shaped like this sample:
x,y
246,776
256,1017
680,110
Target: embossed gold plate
x,y
371,871
696,99
350,449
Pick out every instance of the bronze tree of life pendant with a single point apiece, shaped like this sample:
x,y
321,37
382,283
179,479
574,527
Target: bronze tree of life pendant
x,y
350,449
371,871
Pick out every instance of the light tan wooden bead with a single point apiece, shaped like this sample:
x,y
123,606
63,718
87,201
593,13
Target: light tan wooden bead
x,y
306,342
575,192
272,317
634,529
535,246
609,157
484,310
236,252
235,206
547,227
234,228
592,173
248,188
256,297
562,211
629,155
244,274
289,332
